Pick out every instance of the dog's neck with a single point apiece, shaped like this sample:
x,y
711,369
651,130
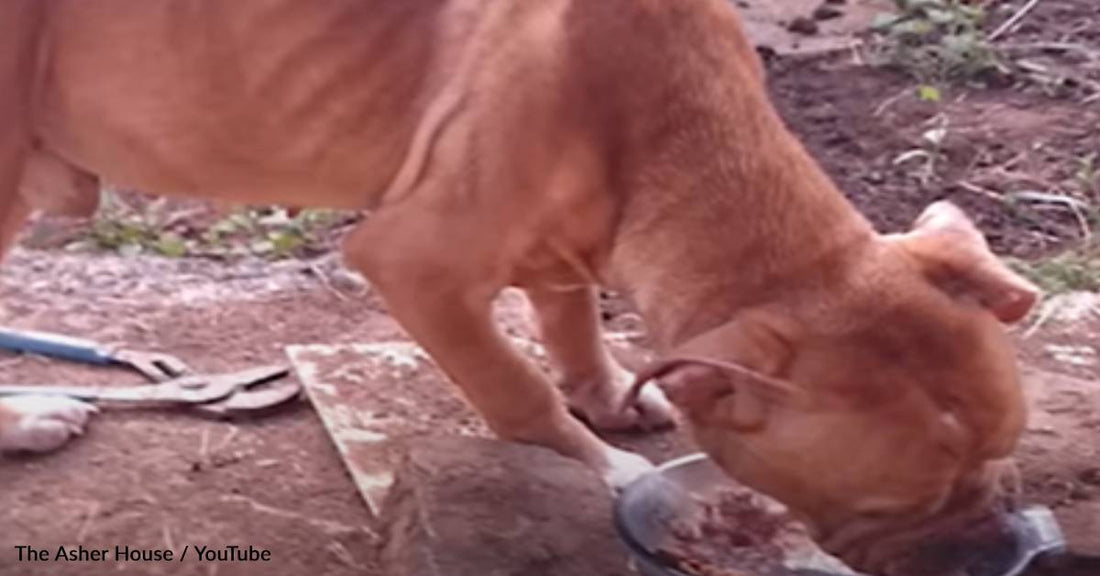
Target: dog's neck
x,y
760,221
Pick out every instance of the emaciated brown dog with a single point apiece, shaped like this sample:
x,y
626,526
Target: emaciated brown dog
x,y
863,379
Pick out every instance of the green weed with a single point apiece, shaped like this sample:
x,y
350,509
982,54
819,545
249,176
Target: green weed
x,y
934,40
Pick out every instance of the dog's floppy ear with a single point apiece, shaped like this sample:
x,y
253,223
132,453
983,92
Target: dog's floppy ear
x,y
726,377
955,256
714,393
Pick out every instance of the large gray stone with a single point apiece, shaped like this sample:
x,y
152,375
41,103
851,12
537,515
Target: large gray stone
x,y
479,507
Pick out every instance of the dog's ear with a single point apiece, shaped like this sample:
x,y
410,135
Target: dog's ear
x,y
723,395
955,256
728,377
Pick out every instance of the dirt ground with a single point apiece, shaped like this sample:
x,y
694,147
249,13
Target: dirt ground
x,y
154,479
999,142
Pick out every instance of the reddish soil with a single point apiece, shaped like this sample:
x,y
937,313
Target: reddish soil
x,y
156,479
150,479
859,121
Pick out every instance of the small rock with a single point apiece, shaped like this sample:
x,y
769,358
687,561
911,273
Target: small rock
x,y
1079,492
836,2
767,53
473,507
803,25
1090,476
347,280
874,178
827,12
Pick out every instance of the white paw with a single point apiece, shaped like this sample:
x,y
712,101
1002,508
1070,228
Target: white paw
x,y
601,406
42,423
623,467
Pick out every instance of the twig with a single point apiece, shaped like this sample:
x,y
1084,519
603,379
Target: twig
x,y
857,53
1086,230
329,527
233,431
1012,162
5,362
1049,198
326,283
204,444
343,554
1063,46
970,187
1025,178
180,216
1074,205
1047,312
1042,75
890,102
167,533
1015,19
89,517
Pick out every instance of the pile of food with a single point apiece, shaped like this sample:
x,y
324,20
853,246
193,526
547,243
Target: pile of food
x,y
732,534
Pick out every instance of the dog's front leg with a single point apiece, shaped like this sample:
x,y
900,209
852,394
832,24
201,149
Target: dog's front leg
x,y
569,324
444,302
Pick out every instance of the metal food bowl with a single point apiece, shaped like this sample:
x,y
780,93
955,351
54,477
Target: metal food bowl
x,y
649,506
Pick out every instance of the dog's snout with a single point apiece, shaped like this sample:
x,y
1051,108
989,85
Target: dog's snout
x,y
934,544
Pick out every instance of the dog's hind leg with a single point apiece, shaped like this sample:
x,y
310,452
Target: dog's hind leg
x,y
32,423
597,384
20,22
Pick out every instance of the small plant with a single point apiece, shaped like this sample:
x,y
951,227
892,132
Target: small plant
x,y
930,152
1075,270
269,232
117,227
928,93
934,40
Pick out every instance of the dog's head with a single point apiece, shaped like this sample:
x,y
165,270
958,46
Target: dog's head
x,y
880,403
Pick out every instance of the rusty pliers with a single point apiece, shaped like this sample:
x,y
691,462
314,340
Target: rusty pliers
x,y
219,394
154,365
175,384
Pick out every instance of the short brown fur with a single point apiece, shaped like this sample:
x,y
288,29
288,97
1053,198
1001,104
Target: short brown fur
x,y
558,145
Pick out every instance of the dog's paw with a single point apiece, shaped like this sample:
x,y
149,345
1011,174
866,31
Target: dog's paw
x,y
602,406
42,423
623,467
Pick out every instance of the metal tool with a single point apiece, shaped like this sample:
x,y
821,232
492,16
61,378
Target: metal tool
x,y
1035,533
218,395
155,366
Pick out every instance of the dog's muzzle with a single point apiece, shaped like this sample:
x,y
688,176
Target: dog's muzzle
x,y
940,543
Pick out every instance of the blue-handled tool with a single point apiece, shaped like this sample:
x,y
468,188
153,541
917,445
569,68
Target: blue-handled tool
x,y
155,366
